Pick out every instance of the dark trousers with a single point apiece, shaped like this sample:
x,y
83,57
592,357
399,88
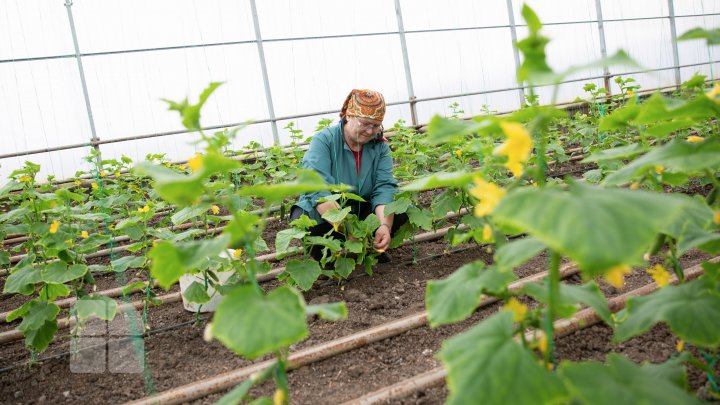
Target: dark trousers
x,y
362,211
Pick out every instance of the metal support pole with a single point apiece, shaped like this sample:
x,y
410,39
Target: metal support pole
x,y
263,67
68,7
406,62
673,36
516,53
603,47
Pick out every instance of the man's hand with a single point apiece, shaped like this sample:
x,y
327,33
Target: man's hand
x,y
382,238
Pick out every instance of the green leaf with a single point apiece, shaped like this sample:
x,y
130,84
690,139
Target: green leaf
x,y
398,206
487,366
189,213
20,311
284,237
620,118
597,228
95,217
692,310
92,242
332,244
354,246
307,181
303,272
22,280
455,298
39,339
265,323
52,291
170,261
191,113
39,324
421,218
237,394
712,35
344,266
196,293
446,202
241,228
4,257
622,152
571,295
336,215
440,180
127,262
517,252
98,306
621,382
59,272
334,311
442,130
677,155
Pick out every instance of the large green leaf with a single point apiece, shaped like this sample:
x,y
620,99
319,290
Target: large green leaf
x,y
307,181
284,237
621,152
621,382
421,218
336,215
59,272
455,298
597,228
571,295
39,324
712,35
91,243
196,293
677,155
694,228
252,324
444,130
127,262
170,261
398,206
189,213
344,266
190,113
22,280
241,228
446,202
487,366
515,253
177,188
303,272
440,180
99,306
692,310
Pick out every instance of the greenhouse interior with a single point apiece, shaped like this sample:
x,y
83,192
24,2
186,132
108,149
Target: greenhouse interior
x,y
326,202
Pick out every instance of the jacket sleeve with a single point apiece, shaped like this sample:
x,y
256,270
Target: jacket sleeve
x,y
319,158
385,184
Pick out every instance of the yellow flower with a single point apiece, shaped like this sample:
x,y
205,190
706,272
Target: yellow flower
x,y
294,161
167,164
54,227
659,169
215,209
84,234
635,186
25,179
237,253
695,139
716,217
78,182
487,233
517,308
714,93
103,174
458,153
111,227
144,209
542,343
680,345
182,167
195,162
659,274
117,174
68,241
517,147
616,275
279,397
630,93
488,194
94,186
336,225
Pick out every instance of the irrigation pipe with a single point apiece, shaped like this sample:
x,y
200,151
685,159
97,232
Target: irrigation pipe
x,y
562,327
14,335
317,353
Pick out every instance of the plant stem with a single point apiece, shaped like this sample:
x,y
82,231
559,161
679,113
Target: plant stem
x,y
554,299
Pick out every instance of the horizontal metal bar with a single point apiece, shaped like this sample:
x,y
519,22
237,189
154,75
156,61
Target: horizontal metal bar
x,y
177,132
212,44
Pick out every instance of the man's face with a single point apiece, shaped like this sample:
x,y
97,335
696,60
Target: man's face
x,y
363,130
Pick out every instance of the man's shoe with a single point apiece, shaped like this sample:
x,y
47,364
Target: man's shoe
x,y
384,257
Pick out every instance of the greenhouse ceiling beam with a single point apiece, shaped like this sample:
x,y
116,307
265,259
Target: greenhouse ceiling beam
x,y
371,34
406,63
94,138
313,114
603,46
263,68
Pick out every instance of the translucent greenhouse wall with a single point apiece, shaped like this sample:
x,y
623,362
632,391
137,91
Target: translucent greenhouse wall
x,y
133,53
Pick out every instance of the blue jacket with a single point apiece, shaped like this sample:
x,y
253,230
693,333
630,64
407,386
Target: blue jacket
x,y
331,157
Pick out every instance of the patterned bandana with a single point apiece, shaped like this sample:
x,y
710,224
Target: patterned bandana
x,y
364,103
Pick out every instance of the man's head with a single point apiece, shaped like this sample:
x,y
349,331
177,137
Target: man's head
x,y
364,111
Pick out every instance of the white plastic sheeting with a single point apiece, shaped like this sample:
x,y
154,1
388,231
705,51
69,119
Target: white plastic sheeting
x,y
42,103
